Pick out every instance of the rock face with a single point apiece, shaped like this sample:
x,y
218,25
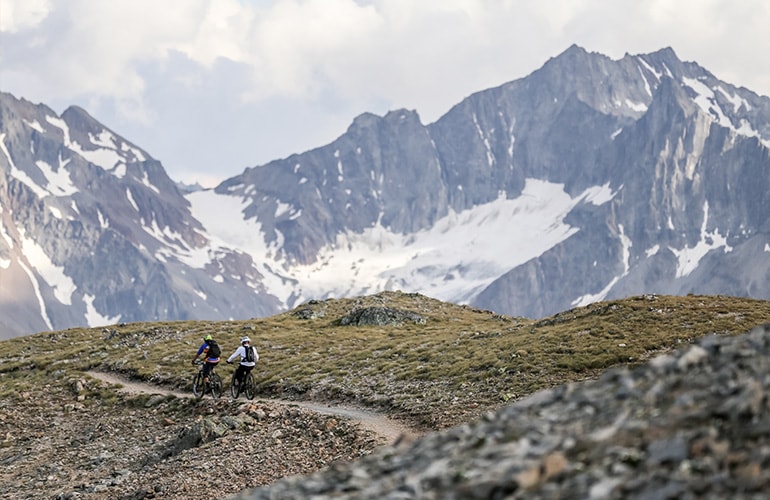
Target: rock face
x,y
666,168
94,232
690,424
660,133
683,156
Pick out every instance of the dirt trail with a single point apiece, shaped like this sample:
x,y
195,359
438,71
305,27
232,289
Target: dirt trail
x,y
391,430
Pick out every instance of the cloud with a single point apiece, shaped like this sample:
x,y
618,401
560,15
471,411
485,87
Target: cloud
x,y
404,49
281,75
17,15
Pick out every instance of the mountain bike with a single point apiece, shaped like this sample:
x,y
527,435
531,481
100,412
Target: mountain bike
x,y
214,386
248,387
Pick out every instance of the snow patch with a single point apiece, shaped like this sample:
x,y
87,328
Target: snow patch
x,y
626,243
59,181
736,100
281,208
93,318
131,199
136,152
146,182
499,235
103,222
61,125
104,158
62,285
119,171
223,217
36,288
599,195
646,83
652,70
706,100
35,125
690,257
636,106
4,233
20,175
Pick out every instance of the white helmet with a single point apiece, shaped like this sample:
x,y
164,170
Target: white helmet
x,y
245,339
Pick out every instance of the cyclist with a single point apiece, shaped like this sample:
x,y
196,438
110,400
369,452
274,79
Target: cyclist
x,y
211,352
249,356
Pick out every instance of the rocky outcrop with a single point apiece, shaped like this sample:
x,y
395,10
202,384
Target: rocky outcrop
x,y
381,316
689,424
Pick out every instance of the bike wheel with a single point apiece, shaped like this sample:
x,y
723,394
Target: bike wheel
x,y
249,386
235,389
198,386
215,384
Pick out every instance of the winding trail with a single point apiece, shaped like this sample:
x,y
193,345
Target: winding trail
x,y
390,430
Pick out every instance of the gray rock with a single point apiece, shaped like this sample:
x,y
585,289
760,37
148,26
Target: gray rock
x,y
380,316
693,424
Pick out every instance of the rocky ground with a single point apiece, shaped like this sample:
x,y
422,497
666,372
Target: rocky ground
x,y
161,445
693,424
690,424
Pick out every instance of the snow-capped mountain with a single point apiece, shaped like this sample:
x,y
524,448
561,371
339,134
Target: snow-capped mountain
x,y
92,232
591,178
588,179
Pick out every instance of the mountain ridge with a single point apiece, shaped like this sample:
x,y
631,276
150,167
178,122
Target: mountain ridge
x,y
396,204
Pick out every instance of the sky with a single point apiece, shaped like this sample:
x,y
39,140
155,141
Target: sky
x,y
211,87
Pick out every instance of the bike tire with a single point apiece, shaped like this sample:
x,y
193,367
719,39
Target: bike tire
x,y
235,389
215,384
198,388
249,386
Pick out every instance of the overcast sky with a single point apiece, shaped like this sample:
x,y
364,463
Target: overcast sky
x,y
210,87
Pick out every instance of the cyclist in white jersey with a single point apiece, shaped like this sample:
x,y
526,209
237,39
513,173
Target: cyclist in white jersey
x,y
249,357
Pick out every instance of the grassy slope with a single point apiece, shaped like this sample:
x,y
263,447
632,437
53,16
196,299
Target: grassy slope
x,y
461,362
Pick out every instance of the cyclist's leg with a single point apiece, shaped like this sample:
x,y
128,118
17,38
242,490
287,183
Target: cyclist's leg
x,y
239,374
206,370
249,387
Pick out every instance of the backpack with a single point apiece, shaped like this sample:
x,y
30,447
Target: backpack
x,y
249,354
214,350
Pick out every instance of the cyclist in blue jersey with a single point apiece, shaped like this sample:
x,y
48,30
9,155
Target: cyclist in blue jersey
x,y
211,352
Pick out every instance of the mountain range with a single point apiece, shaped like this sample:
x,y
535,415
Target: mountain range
x,y
588,179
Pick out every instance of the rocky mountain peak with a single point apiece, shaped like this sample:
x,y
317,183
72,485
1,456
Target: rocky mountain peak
x,y
79,119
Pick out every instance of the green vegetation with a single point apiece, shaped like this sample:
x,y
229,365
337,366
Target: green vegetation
x,y
456,364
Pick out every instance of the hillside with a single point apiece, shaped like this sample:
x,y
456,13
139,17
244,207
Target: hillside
x,y
429,364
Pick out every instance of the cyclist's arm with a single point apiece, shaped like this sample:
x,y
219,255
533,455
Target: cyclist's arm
x,y
200,351
235,354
